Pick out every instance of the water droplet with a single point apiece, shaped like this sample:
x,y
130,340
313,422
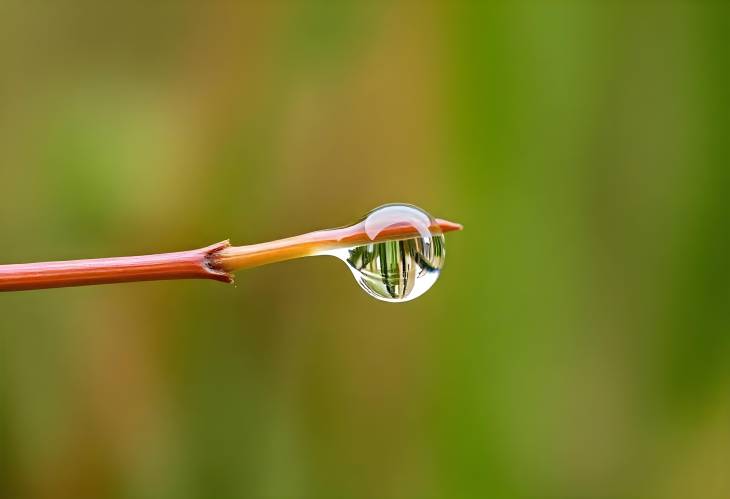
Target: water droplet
x,y
404,258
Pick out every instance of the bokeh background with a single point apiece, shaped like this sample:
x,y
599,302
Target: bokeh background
x,y
576,346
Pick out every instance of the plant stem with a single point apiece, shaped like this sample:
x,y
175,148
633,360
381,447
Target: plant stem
x,y
193,264
213,262
235,258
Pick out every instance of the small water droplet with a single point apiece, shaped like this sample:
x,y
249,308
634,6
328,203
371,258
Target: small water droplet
x,y
399,268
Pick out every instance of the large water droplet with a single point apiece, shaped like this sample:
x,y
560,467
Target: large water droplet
x,y
397,268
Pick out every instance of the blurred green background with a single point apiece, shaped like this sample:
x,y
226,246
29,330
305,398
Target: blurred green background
x,y
576,346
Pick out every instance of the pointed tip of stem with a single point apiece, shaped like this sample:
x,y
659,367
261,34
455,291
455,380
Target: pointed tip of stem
x,y
447,226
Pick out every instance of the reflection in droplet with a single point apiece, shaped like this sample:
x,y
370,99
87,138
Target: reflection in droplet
x,y
397,269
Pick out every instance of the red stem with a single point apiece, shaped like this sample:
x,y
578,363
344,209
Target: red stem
x,y
194,264
211,262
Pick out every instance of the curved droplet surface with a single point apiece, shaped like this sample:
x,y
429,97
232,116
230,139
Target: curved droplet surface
x,y
397,269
